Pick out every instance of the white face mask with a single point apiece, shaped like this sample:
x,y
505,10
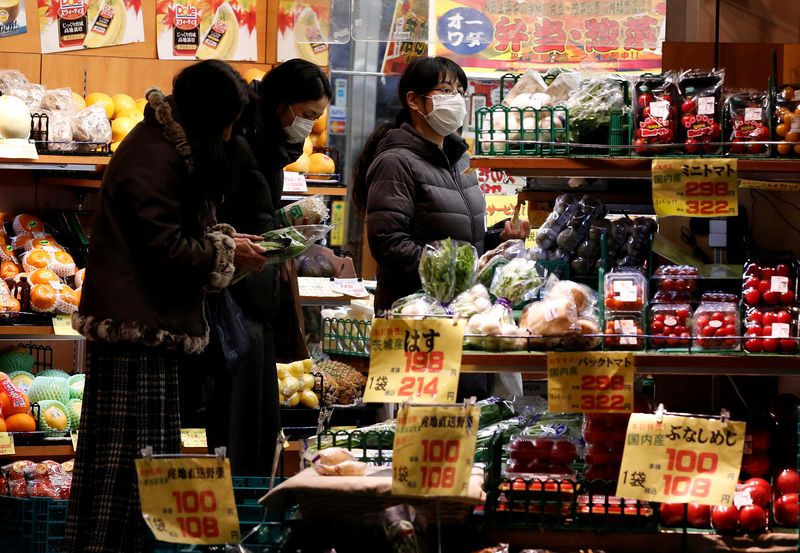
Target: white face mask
x,y
448,113
299,129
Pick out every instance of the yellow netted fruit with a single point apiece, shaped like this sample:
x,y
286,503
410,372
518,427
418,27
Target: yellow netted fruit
x,y
296,369
283,370
306,381
293,400
289,385
309,399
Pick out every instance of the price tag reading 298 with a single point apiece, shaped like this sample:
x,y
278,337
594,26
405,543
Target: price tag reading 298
x,y
417,360
695,187
599,382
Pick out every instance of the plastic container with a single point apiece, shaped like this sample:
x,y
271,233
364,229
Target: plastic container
x,y
672,324
625,290
787,120
624,331
701,121
770,329
715,326
769,283
655,114
541,455
672,297
676,278
604,434
747,119
717,296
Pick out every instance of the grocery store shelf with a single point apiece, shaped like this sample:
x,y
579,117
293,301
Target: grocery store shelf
x,y
621,167
28,330
327,190
93,164
65,451
651,363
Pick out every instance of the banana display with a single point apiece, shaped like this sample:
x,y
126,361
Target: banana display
x,y
296,384
307,25
108,25
222,38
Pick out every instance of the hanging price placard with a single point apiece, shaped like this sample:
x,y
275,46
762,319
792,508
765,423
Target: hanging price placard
x,y
434,449
695,187
414,360
581,382
6,444
681,459
193,437
188,500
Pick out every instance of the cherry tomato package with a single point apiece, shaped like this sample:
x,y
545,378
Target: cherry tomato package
x,y
625,289
770,329
700,106
47,479
15,479
769,283
716,325
624,331
604,435
655,114
671,325
748,122
787,120
549,455
676,278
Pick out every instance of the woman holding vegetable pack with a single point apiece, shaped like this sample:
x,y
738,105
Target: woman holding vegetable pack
x,y
412,183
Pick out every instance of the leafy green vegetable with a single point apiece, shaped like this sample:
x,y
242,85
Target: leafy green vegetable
x,y
436,270
465,268
518,281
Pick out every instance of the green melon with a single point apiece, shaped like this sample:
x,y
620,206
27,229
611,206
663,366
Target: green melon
x,y
21,379
54,372
16,360
53,415
76,383
48,387
74,411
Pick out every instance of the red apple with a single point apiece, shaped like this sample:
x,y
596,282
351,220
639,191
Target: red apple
x,y
725,519
787,482
671,514
698,516
785,510
753,518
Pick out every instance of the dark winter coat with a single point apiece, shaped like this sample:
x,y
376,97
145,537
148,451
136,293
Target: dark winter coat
x,y
155,250
418,193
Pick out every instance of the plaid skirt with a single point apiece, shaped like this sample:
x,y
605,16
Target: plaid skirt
x,y
130,401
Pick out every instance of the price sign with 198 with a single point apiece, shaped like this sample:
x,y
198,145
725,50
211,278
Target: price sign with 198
x,y
681,459
590,382
434,449
415,360
188,500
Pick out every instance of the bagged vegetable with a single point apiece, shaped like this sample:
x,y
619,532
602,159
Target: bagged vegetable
x,y
59,131
565,205
584,297
518,281
447,268
337,461
473,301
590,325
701,121
508,250
92,125
553,317
494,410
57,99
312,207
495,330
9,78
485,275
590,107
531,82
418,305
30,93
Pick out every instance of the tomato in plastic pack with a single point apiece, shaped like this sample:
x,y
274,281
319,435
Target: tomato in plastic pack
x,y
716,326
748,122
700,99
655,114
671,325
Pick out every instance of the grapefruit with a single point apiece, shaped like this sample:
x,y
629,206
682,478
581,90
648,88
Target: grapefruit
x,y
78,100
321,164
9,409
302,165
253,74
321,123
122,102
120,127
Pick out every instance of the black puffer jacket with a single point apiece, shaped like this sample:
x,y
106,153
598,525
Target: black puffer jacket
x,y
418,193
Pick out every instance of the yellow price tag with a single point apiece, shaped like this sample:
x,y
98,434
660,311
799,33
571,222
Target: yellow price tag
x,y
434,449
188,500
681,459
695,187
775,186
74,436
599,382
62,326
339,222
414,360
193,437
6,444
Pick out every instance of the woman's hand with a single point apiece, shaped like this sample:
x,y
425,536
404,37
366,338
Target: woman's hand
x,y
247,255
510,232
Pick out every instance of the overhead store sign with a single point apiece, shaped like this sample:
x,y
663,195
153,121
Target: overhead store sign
x,y
491,36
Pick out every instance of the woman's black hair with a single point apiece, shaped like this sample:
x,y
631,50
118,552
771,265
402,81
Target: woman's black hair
x,y
421,76
209,96
294,81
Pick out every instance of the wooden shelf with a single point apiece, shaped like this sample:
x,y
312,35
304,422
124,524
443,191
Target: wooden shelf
x,y
65,451
92,164
736,364
622,167
27,330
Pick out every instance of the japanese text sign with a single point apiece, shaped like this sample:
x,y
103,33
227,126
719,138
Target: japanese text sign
x,y
6,444
434,449
695,187
194,437
188,500
681,459
417,360
598,382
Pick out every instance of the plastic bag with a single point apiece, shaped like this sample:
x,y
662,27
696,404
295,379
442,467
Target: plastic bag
x,y
701,98
30,93
10,79
591,104
473,301
747,113
508,250
59,131
497,321
312,207
92,125
587,324
518,281
447,268
531,82
553,317
565,205
286,243
337,461
47,479
655,114
417,305
584,297
57,99
402,528
563,86
637,246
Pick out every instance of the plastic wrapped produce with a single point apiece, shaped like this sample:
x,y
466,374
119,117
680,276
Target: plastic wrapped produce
x,y
701,98
31,94
312,208
10,78
584,297
58,99
59,131
518,281
588,335
447,268
747,113
497,321
655,114
491,260
771,329
676,278
715,325
624,331
625,290
551,317
565,205
671,324
590,107
637,248
542,455
417,305
337,461
473,301
770,282
485,275
92,125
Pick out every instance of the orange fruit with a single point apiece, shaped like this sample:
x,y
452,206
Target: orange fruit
x,y
80,276
122,102
797,149
104,99
11,305
784,148
301,165
20,422
37,259
25,223
321,164
781,130
2,425
780,111
8,269
64,257
43,297
42,276
793,136
254,74
22,241
69,295
9,409
321,123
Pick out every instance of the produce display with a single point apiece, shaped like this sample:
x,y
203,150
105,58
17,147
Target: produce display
x,y
770,329
787,120
25,478
338,383
447,269
604,436
715,325
671,325
700,100
655,114
748,122
769,284
296,384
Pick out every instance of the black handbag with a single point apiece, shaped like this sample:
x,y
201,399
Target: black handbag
x,y
227,326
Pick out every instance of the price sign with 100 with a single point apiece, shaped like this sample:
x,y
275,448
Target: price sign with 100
x,y
590,382
414,359
681,459
695,187
188,500
434,449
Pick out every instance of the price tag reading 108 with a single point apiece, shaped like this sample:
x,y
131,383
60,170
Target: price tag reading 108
x,y
188,500
681,459
416,360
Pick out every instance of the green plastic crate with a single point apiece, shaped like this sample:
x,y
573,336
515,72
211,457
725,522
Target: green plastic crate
x,y
346,337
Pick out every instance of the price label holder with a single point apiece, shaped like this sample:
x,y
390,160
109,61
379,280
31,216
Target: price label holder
x,y
775,186
414,360
352,287
294,182
188,499
316,287
681,458
62,326
6,444
73,434
193,437
17,148
434,449
695,187
597,382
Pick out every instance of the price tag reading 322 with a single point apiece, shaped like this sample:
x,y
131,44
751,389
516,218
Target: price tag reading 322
x,y
695,187
434,449
681,459
597,382
189,500
416,360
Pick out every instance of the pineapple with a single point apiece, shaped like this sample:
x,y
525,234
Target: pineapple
x,y
350,382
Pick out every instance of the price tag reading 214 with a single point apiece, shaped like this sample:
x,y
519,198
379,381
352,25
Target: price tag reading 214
x,y
416,360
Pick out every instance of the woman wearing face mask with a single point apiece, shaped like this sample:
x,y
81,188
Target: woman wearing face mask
x,y
409,181
240,406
